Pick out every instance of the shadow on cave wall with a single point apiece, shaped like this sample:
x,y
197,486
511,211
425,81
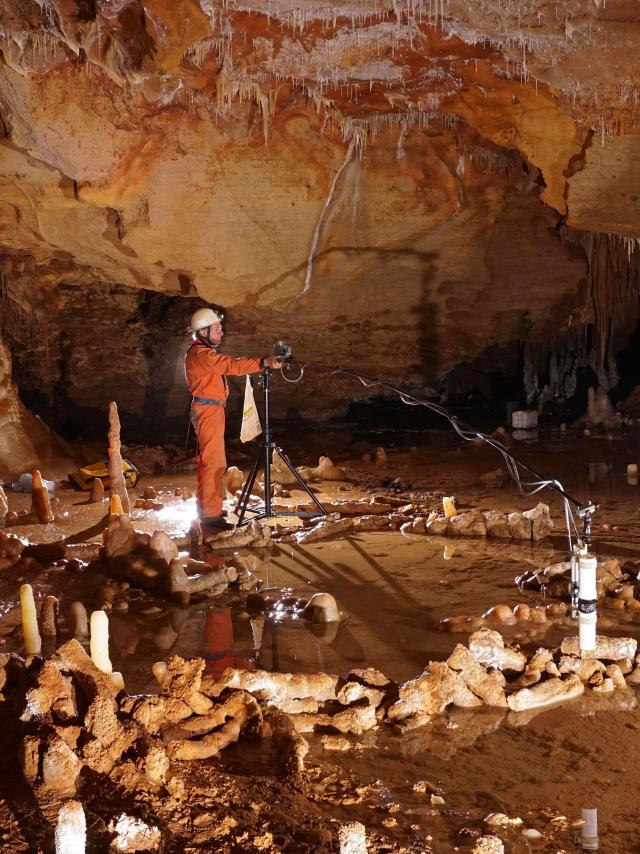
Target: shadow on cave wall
x,y
108,343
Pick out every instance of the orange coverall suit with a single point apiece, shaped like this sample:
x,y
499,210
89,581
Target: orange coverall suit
x,y
205,372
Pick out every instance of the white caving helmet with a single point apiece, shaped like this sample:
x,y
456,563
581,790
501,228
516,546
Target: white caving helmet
x,y
204,317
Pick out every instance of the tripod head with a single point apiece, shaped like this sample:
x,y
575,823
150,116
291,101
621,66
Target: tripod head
x,y
283,351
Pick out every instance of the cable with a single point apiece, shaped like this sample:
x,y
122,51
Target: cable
x,y
466,432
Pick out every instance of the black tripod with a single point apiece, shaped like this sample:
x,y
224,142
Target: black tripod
x,y
265,457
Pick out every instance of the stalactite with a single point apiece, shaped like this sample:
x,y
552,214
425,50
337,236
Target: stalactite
x,y
353,155
613,274
614,280
16,317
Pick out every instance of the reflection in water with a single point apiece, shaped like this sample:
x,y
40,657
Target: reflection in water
x,y
220,650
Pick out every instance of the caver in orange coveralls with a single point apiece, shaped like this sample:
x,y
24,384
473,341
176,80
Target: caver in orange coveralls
x,y
205,371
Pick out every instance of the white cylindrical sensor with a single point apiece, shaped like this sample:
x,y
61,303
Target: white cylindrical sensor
x,y
587,603
589,830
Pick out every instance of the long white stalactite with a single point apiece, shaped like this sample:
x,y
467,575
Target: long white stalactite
x,y
355,148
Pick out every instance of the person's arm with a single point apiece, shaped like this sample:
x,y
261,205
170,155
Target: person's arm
x,y
217,363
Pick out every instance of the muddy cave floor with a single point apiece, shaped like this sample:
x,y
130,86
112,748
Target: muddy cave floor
x,y
392,589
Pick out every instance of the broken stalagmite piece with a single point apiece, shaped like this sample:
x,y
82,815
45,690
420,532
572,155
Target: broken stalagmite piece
x,y
325,470
321,608
554,690
80,620
488,648
49,617
97,491
233,479
40,504
116,477
607,649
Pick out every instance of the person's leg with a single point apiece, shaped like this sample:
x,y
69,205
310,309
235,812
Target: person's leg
x,y
212,462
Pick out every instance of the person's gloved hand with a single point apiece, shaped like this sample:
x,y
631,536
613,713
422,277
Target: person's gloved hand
x,y
271,362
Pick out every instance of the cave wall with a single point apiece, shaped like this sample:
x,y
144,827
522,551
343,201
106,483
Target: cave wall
x,y
385,187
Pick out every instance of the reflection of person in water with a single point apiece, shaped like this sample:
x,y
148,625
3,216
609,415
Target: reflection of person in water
x,y
218,644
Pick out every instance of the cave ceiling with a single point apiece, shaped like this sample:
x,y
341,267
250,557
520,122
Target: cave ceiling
x,y
368,167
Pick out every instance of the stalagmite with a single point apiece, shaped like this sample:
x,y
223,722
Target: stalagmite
x,y
49,616
71,829
97,491
40,503
118,679
322,608
4,506
99,641
32,640
159,670
80,620
115,506
449,507
116,477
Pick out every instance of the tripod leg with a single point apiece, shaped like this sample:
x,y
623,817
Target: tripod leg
x,y
294,471
241,507
268,456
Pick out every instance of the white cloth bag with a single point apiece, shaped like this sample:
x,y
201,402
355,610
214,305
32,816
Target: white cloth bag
x,y
251,426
